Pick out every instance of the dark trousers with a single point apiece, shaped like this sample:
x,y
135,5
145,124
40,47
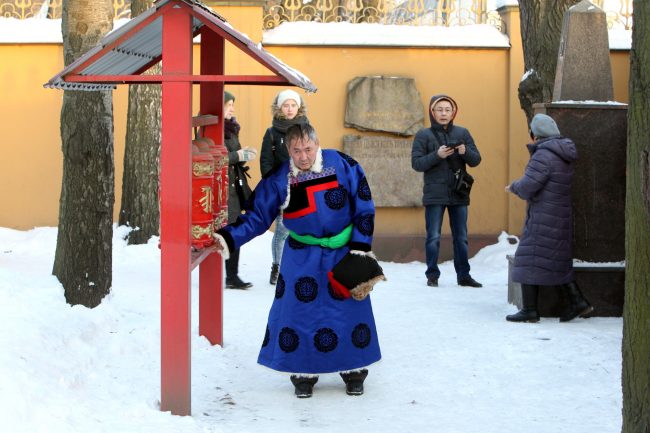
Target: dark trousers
x,y
232,264
458,222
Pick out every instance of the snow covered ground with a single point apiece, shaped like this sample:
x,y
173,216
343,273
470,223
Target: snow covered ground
x,y
451,363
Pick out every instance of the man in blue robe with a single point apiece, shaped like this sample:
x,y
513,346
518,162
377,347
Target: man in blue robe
x,y
321,320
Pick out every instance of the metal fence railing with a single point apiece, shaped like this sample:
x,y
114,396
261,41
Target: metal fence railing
x,y
619,13
401,12
413,12
22,9
404,12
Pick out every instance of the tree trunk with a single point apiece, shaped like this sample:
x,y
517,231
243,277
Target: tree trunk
x,y
541,29
636,311
83,258
139,208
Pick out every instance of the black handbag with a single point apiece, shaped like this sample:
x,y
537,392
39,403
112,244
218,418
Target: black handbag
x,y
241,185
463,183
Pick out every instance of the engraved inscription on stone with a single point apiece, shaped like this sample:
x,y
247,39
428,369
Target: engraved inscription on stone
x,y
384,104
387,164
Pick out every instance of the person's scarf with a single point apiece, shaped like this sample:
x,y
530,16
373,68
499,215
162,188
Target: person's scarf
x,y
283,125
231,128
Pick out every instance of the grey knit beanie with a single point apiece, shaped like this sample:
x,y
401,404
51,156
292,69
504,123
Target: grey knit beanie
x,y
543,126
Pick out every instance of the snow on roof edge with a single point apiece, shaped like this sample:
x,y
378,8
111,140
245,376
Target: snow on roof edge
x,y
46,31
371,34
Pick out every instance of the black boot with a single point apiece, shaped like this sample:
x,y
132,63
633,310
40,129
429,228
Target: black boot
x,y
275,271
232,266
529,300
237,283
576,304
304,385
354,381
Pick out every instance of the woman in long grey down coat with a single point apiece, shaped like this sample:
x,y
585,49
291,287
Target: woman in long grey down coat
x,y
544,256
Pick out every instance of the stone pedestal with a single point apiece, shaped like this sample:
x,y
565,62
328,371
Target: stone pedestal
x,y
602,285
600,134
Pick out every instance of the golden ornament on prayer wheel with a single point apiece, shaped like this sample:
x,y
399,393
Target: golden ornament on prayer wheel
x,y
202,198
220,184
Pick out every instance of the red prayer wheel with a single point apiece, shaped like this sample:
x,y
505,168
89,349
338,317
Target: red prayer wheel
x,y
202,198
220,155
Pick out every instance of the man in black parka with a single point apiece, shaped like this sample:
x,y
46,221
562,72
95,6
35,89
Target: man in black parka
x,y
442,153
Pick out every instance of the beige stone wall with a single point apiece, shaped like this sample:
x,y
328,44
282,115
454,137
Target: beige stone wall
x,y
483,81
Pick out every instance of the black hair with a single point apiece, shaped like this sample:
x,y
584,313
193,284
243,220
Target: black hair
x,y
301,132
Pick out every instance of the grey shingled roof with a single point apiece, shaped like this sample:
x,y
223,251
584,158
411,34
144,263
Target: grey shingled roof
x,y
143,48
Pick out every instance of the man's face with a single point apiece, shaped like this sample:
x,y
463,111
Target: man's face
x,y
303,152
443,112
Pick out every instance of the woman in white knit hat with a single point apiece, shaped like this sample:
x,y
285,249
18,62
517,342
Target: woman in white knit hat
x,y
288,109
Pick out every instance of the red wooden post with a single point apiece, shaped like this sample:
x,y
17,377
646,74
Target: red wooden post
x,y
175,218
211,269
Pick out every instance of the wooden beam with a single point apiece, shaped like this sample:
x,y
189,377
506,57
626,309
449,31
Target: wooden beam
x,y
211,270
175,215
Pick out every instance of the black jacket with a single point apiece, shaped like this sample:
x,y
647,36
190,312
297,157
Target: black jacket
x,y
238,188
274,150
439,176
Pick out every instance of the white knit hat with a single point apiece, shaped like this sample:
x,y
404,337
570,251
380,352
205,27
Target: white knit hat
x,y
286,95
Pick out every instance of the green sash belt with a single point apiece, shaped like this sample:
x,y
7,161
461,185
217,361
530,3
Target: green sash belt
x,y
333,242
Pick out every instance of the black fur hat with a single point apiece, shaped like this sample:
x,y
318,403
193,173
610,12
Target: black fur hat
x,y
356,274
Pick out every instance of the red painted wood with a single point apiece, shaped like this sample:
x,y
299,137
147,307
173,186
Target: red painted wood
x,y
204,120
199,256
211,298
239,42
211,270
175,219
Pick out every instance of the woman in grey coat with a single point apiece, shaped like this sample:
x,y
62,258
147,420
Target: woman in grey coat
x,y
544,256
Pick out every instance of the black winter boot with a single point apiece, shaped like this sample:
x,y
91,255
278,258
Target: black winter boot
x,y
576,304
275,271
304,385
354,381
237,283
529,311
232,279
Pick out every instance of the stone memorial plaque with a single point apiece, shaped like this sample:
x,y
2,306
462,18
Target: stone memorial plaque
x,y
384,104
387,164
